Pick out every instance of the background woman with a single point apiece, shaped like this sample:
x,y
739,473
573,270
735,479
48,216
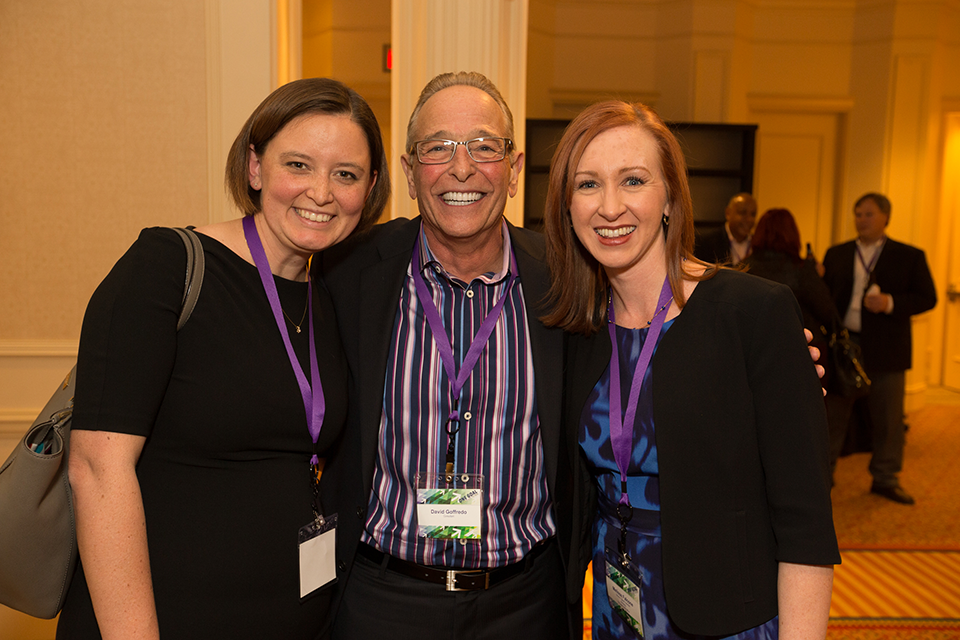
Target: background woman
x,y
714,513
775,256
191,452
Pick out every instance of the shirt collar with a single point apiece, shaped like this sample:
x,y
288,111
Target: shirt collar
x,y
734,241
429,263
872,245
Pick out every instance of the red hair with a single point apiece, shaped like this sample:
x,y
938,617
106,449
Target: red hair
x,y
777,231
580,288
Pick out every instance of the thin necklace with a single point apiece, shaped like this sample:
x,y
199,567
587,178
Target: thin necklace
x,y
295,325
659,311
650,321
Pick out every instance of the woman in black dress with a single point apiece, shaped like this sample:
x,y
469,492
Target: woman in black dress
x,y
194,453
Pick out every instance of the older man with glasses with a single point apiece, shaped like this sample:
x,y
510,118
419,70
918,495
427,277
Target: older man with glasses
x,y
454,488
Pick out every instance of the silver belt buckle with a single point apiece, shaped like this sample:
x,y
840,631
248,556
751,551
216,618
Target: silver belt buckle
x,y
452,580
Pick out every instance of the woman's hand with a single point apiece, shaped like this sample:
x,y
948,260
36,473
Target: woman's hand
x,y
111,532
815,354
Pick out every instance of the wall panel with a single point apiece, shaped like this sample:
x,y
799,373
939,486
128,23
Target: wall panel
x,y
797,156
105,135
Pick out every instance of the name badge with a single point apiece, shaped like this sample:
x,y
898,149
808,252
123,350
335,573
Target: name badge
x,y
449,506
318,554
623,593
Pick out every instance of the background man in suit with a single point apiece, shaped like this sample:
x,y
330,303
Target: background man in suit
x,y
731,243
404,294
878,283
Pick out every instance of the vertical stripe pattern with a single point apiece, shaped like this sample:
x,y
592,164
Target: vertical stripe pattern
x,y
499,433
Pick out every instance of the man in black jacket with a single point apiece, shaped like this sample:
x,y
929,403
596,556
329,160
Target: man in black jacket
x,y
878,284
731,242
400,573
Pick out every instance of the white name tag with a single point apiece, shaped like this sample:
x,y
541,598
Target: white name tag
x,y
451,510
460,516
624,597
318,555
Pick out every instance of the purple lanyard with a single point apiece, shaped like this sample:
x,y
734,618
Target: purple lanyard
x,y
312,392
622,425
873,261
457,378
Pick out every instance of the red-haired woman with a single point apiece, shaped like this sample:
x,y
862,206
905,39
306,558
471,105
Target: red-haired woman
x,y
775,256
692,398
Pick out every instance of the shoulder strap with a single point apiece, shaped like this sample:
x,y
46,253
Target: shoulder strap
x,y
194,275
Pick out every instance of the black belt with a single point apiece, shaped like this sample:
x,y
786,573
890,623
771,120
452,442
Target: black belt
x,y
454,579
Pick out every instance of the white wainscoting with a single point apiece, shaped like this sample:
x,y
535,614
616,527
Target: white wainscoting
x,y
29,373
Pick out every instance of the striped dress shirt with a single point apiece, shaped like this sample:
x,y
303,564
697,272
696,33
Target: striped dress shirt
x,y
499,433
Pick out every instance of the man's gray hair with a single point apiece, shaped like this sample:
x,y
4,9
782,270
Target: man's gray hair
x,y
460,78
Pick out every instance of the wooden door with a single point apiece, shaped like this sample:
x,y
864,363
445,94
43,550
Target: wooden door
x,y
950,210
796,169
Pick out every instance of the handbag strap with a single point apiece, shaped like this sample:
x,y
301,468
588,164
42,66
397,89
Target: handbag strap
x,y
193,279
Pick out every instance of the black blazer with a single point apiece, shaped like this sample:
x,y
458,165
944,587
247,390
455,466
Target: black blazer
x,y
741,438
365,276
901,271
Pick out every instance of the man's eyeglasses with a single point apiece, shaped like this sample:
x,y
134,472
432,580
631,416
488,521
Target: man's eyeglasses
x,y
480,149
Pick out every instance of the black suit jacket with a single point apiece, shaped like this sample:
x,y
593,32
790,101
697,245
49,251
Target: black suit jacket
x,y
901,271
742,448
365,276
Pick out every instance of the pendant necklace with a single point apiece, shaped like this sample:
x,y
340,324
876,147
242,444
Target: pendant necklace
x,y
303,317
297,326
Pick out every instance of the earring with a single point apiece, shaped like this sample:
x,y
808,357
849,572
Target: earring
x,y
256,183
666,221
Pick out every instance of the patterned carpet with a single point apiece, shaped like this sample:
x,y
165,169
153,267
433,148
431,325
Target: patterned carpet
x,y
897,584
931,473
900,577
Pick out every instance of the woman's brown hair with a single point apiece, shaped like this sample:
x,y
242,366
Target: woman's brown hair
x,y
297,98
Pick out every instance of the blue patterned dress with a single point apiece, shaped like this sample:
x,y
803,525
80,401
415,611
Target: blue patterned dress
x,y
643,487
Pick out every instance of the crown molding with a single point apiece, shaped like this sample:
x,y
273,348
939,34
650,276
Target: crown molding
x,y
799,104
38,348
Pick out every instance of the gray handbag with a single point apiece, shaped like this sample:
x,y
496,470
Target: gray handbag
x,y
38,541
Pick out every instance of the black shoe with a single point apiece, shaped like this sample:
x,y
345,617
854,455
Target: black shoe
x,y
895,493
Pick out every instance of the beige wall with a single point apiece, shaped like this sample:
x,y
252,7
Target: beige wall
x,y
115,119
104,133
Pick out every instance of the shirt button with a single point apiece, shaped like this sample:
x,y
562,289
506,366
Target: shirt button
x,y
436,268
467,415
470,293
